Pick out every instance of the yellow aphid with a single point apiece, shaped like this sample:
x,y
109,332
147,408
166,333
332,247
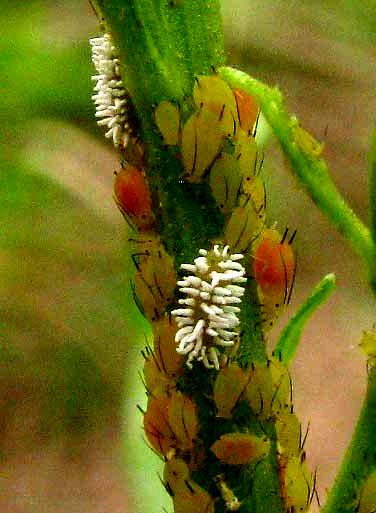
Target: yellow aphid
x,y
243,227
167,119
368,344
254,189
259,391
288,429
183,419
203,137
296,484
175,473
155,277
240,448
305,142
225,182
213,94
228,387
282,397
247,154
367,500
192,498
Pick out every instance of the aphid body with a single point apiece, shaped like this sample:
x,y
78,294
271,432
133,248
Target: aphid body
x,y
132,196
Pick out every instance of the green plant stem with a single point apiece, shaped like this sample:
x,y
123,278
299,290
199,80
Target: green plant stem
x,y
290,337
163,45
360,457
311,171
372,191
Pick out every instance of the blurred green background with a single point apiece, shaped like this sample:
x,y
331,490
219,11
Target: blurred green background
x,y
70,337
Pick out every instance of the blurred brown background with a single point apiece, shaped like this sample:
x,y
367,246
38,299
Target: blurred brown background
x,y
68,345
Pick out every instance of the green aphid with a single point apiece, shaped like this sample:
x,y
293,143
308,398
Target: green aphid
x,y
297,486
289,434
225,181
228,387
305,141
203,138
244,227
213,94
259,392
367,500
167,119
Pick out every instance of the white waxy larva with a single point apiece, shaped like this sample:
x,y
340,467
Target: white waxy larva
x,y
209,321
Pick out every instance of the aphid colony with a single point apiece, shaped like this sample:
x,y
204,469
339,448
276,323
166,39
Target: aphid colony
x,y
172,424
216,144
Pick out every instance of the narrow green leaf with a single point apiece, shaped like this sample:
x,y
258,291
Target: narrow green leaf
x,y
291,334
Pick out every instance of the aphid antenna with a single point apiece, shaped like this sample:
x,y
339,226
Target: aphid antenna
x,y
143,382
284,236
292,281
292,237
136,299
161,359
314,489
189,487
309,491
301,446
166,486
256,125
259,163
140,409
222,112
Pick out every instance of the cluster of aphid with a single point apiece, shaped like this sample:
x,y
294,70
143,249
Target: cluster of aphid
x,y
173,425
216,144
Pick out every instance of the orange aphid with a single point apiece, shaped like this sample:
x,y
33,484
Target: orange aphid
x,y
248,111
157,428
274,265
240,448
132,196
